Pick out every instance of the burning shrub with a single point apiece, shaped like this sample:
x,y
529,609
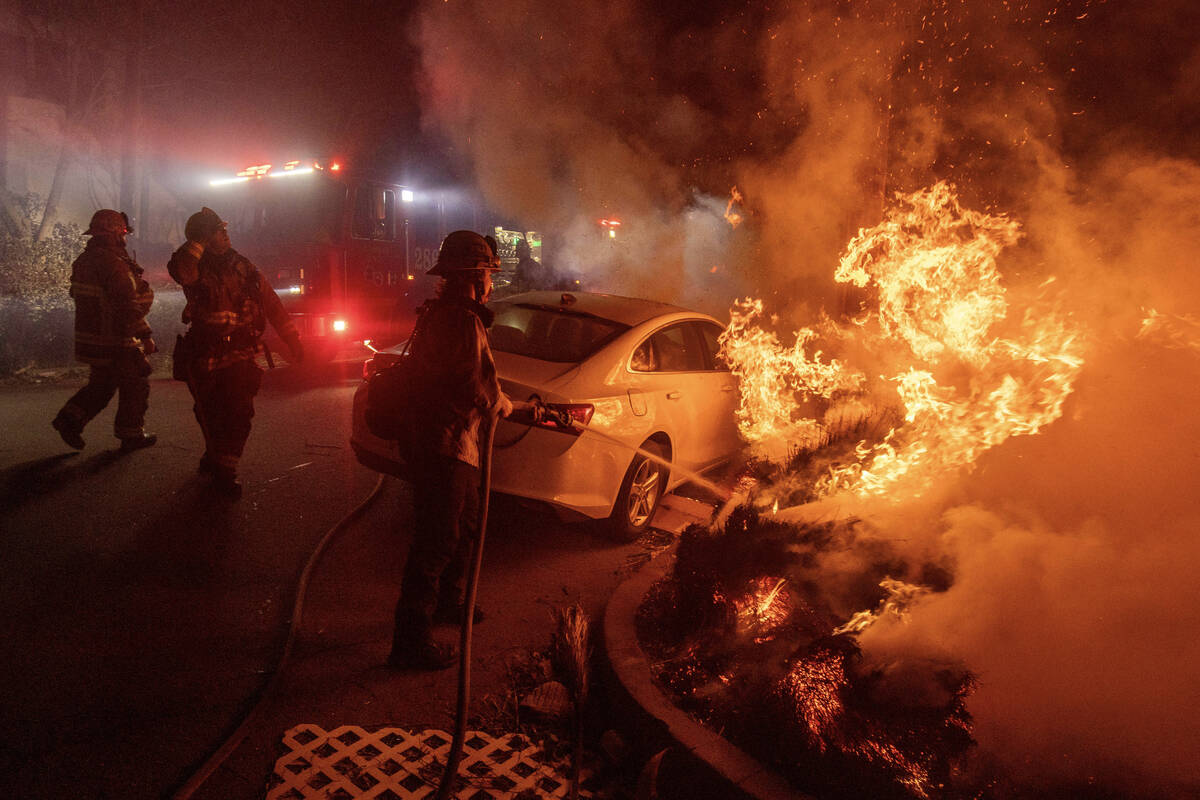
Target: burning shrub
x,y
747,639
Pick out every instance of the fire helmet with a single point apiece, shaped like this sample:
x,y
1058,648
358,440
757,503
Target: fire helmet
x,y
202,225
115,223
465,250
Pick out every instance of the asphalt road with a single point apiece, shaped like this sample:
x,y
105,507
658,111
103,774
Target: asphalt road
x,y
143,613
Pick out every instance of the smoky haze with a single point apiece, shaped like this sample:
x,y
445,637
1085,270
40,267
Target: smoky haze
x,y
1073,552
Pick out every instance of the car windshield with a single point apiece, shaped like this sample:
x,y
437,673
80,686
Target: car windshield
x,y
549,333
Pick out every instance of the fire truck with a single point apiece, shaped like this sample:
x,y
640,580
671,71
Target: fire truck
x,y
346,253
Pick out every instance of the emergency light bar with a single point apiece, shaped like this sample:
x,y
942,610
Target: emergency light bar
x,y
260,171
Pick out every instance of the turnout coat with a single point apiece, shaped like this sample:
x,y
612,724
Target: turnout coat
x,y
229,303
111,301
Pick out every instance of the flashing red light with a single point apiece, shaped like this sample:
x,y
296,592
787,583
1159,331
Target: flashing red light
x,y
611,223
339,325
335,167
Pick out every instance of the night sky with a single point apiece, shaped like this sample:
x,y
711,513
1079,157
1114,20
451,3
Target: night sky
x,y
695,90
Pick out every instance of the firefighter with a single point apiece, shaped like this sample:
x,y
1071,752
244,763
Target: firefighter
x,y
450,348
111,334
531,273
228,306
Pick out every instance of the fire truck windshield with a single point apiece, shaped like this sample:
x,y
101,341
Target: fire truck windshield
x,y
300,209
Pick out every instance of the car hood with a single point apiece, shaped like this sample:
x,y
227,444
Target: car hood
x,y
532,373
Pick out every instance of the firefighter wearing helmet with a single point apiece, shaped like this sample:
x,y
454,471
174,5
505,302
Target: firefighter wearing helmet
x,y
111,335
228,306
450,347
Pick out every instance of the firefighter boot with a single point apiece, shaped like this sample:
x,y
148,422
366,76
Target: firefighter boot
x,y
225,481
69,431
132,443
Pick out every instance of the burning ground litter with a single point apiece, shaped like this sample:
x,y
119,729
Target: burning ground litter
x,y
751,644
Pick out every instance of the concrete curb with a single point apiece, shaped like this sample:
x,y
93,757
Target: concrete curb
x,y
632,669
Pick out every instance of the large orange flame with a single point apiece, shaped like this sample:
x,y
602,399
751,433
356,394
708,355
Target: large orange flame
x,y
941,304
774,380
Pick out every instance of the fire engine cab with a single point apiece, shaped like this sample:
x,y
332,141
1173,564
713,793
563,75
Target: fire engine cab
x,y
347,254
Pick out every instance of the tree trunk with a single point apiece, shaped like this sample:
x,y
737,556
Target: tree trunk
x,y
56,189
13,217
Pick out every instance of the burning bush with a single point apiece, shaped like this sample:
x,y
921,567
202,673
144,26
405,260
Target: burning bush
x,y
747,638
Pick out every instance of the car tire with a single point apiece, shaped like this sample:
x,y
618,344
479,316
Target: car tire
x,y
641,492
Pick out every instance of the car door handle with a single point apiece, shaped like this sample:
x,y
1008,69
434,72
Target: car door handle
x,y
673,395
726,388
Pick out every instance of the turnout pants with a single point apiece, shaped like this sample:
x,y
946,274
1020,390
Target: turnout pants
x,y
445,527
128,378
224,406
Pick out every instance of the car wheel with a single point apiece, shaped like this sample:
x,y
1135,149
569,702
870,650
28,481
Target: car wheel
x,y
643,488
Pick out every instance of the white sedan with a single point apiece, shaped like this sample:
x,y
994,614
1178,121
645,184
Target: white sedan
x,y
651,402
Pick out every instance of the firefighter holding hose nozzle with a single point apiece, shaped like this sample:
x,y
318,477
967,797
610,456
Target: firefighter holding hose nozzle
x,y
450,350
229,303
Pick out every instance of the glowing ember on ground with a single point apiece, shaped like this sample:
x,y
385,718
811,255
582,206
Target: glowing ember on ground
x,y
813,687
751,644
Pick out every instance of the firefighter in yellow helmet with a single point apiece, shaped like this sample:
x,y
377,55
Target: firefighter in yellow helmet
x,y
450,347
228,306
111,335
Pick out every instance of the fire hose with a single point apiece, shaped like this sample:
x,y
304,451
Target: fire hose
x,y
525,413
218,757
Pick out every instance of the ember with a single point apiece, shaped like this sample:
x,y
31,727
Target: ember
x,y
752,645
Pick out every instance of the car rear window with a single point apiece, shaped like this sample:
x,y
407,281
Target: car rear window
x,y
549,333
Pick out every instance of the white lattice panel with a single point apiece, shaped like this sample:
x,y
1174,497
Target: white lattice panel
x,y
395,764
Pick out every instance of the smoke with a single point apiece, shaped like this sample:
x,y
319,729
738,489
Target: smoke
x,y
1073,552
572,112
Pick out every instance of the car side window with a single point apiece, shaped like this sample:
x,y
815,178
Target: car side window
x,y
643,358
676,348
710,333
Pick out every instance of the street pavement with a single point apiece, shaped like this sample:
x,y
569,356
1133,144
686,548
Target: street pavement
x,y
145,615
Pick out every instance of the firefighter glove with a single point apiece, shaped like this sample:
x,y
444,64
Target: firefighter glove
x,y
504,405
148,346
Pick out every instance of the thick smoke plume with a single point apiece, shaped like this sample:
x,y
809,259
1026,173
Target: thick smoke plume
x,y
1073,552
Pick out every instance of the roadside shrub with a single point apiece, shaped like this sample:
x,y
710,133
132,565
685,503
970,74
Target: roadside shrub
x,y
36,313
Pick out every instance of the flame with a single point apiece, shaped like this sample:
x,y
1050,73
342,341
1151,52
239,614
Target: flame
x,y
1172,331
765,608
900,596
732,217
769,374
963,387
768,599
